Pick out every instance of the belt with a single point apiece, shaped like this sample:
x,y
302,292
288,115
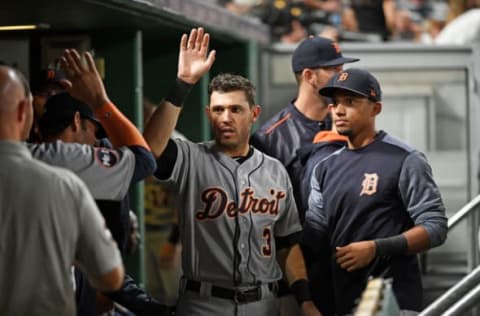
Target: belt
x,y
236,295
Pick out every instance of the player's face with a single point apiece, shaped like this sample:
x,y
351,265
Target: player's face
x,y
324,74
353,114
231,118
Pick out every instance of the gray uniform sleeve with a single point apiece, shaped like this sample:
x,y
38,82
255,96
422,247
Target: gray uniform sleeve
x,y
106,172
315,218
422,198
97,252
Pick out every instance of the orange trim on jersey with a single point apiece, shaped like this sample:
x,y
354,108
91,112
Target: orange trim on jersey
x,y
120,131
280,122
328,136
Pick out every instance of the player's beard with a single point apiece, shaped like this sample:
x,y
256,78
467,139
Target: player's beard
x,y
345,132
230,143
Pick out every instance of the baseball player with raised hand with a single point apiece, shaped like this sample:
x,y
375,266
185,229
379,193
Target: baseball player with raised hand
x,y
107,172
237,214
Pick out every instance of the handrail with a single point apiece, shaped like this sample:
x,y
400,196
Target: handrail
x,y
465,285
464,211
453,294
465,304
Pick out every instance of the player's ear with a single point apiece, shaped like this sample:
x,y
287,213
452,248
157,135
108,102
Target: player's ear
x,y
22,110
77,121
207,112
307,74
377,108
256,110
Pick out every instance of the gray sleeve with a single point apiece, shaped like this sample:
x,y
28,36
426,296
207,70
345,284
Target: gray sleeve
x,y
422,198
97,252
315,218
180,173
106,172
288,222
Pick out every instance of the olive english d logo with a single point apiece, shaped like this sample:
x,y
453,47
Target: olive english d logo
x,y
369,184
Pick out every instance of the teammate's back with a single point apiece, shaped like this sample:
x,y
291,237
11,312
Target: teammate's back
x,y
48,220
46,224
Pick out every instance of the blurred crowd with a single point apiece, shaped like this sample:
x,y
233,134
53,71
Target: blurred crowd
x,y
417,21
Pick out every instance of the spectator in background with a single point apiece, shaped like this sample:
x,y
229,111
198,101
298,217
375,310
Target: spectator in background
x,y
47,224
240,6
370,17
463,30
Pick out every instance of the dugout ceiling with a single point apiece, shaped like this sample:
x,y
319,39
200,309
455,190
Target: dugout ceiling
x,y
162,16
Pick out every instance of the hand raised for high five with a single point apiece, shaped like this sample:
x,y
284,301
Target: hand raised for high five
x,y
83,80
194,60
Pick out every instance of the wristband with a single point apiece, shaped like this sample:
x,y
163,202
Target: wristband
x,y
391,246
301,290
178,92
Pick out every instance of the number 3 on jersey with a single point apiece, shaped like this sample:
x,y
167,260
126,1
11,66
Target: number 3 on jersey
x,y
267,245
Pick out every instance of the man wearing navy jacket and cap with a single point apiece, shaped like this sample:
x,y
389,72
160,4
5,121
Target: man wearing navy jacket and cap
x,y
374,202
314,62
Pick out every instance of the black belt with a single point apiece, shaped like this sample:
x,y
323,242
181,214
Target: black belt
x,y
236,295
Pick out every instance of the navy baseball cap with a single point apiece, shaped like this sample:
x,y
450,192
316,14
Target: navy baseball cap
x,y
316,52
358,81
48,78
59,112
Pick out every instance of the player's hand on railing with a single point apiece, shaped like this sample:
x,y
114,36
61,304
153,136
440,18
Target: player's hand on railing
x,y
355,255
194,60
83,80
309,309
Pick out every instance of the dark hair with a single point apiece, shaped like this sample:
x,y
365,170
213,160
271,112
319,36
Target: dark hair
x,y
228,82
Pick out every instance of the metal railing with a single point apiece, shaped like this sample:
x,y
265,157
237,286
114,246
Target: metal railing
x,y
463,295
453,295
464,211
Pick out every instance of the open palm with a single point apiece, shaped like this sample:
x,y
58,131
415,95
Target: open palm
x,y
194,60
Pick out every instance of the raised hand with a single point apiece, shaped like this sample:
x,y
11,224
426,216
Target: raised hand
x,y
194,60
83,80
356,255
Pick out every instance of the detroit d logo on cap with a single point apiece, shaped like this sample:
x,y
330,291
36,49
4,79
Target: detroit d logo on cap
x,y
343,76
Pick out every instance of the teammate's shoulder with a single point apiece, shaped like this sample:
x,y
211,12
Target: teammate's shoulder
x,y
54,175
276,122
395,142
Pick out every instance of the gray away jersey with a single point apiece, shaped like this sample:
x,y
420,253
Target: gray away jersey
x,y
106,172
210,187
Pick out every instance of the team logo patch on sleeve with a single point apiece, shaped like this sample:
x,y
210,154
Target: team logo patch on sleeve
x,y
106,157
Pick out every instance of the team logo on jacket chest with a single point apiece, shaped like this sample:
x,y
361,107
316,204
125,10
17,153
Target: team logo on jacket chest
x,y
217,202
369,184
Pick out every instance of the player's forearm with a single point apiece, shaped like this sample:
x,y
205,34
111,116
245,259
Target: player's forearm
x,y
120,130
296,274
418,239
295,265
160,126
414,240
